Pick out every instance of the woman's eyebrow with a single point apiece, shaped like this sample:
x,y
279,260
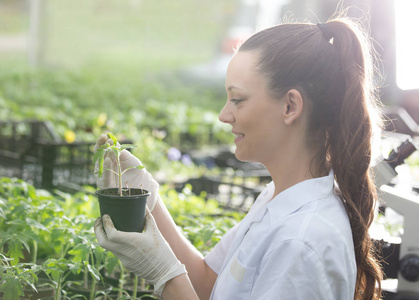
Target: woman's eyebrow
x,y
231,87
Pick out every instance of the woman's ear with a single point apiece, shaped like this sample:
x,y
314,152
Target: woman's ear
x,y
293,102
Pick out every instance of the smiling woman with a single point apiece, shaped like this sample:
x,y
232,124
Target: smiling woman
x,y
300,100
254,113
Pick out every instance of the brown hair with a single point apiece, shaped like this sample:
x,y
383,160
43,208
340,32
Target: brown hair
x,y
336,78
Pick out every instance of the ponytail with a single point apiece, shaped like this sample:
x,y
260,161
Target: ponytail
x,y
349,147
335,77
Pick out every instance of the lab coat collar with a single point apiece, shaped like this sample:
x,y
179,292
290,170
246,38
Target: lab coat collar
x,y
300,194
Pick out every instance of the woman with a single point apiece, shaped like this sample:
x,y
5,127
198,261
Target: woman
x,y
300,102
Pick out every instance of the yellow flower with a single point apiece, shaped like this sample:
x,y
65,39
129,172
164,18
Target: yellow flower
x,y
101,120
69,136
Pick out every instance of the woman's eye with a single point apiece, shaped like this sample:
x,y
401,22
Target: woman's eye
x,y
236,101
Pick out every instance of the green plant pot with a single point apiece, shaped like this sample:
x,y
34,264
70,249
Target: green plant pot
x,y
128,211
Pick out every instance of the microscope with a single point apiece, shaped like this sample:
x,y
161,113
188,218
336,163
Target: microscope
x,y
401,257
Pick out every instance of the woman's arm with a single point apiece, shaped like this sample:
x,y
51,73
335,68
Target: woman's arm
x,y
201,275
179,288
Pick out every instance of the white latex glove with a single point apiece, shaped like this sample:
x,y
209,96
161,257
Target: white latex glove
x,y
133,178
146,254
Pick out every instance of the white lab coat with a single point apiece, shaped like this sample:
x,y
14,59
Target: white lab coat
x,y
297,246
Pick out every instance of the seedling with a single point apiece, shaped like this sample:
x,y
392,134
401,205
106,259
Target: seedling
x,y
15,277
115,149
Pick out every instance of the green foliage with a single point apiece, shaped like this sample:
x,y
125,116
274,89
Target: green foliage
x,y
203,222
58,227
14,277
104,102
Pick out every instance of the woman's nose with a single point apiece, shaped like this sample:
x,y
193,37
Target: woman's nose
x,y
225,115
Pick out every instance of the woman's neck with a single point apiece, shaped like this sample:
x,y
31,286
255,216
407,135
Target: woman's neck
x,y
287,171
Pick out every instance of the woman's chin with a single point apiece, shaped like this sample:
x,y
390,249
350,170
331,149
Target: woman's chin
x,y
241,156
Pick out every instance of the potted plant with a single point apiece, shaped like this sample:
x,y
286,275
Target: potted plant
x,y
126,206
15,277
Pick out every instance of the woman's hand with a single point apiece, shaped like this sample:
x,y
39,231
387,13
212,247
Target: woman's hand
x,y
146,254
133,178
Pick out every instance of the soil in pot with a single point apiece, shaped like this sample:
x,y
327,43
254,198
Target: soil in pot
x,y
128,211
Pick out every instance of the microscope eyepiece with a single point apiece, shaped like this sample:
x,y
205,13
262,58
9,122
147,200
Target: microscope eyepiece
x,y
397,157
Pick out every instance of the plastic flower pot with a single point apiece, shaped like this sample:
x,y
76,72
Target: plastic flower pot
x,y
127,211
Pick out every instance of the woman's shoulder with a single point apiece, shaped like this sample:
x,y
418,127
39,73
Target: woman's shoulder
x,y
319,223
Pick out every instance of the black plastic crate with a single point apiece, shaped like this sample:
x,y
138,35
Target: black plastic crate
x,y
31,150
230,195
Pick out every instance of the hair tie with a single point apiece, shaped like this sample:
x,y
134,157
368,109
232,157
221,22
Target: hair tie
x,y
326,33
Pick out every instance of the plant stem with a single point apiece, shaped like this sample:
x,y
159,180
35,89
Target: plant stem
x,y
121,280
92,289
143,284
119,175
58,291
35,251
134,295
85,278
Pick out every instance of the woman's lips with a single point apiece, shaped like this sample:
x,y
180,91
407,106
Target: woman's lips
x,y
239,137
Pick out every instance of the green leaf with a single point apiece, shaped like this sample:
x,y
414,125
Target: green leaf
x,y
208,235
75,268
32,285
113,138
2,214
99,254
56,268
127,146
12,289
99,153
93,271
15,249
111,262
105,146
115,150
133,167
36,224
100,171
80,253
4,258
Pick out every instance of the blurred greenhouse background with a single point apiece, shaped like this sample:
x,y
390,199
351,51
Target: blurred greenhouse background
x,y
152,73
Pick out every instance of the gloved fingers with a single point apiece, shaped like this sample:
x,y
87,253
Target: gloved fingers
x,y
116,236
100,141
100,232
127,159
103,240
108,179
110,142
141,178
150,226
